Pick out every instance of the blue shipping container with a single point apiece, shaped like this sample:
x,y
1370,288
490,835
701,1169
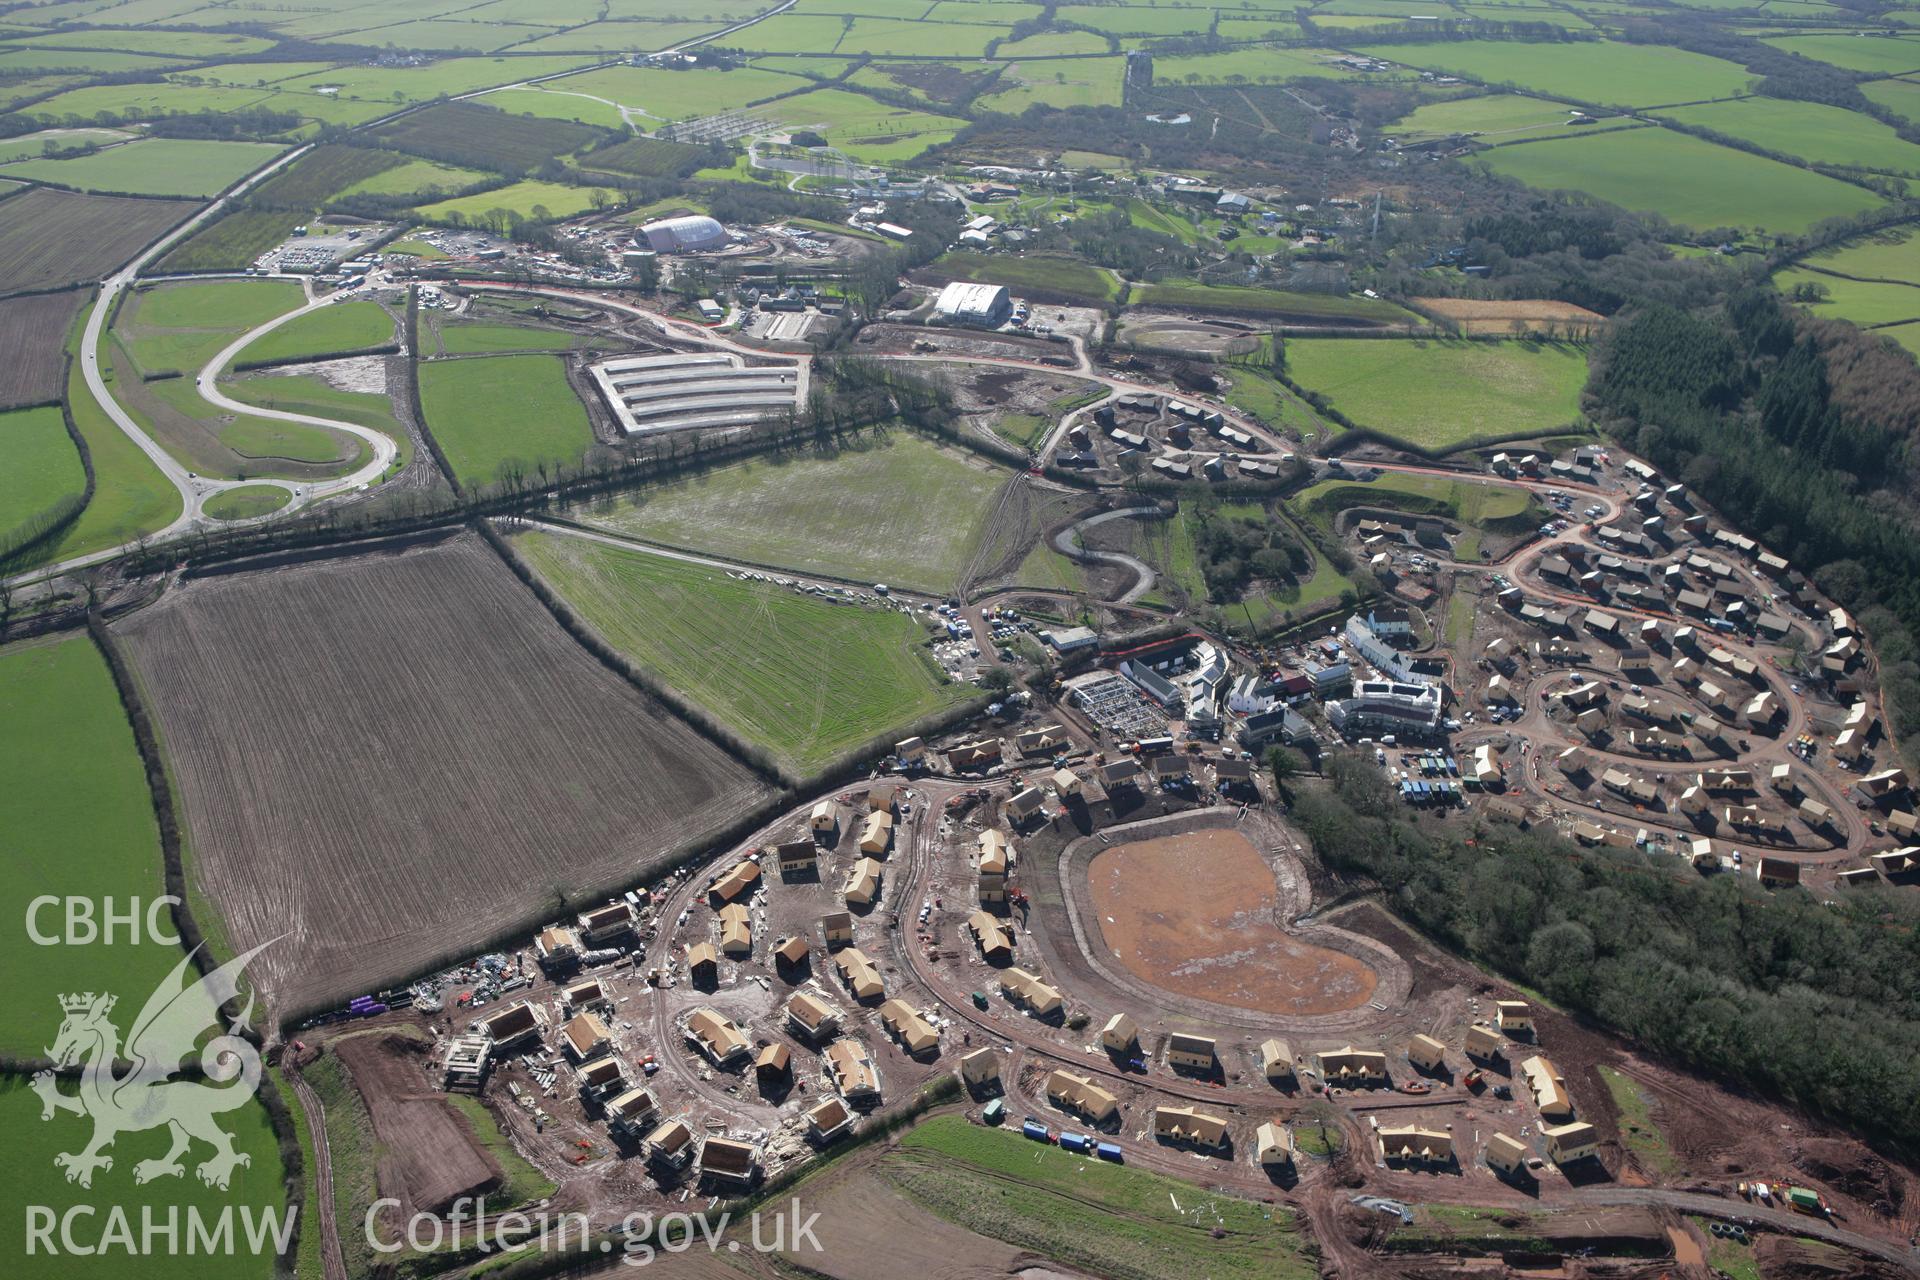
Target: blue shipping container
x,y
1076,1142
1107,1151
1038,1132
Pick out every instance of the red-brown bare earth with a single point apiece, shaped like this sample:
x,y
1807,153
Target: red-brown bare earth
x,y
1195,914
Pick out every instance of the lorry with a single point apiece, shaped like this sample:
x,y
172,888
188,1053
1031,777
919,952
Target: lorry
x,y
1076,1142
1031,1128
1108,1151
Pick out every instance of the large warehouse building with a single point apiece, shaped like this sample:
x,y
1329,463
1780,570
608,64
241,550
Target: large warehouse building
x,y
987,305
678,235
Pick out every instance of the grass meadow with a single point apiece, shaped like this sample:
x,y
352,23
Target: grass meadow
x,y
75,819
491,413
1685,179
1810,130
805,678
342,327
246,502
1494,117
177,328
1437,394
1628,75
43,468
152,167
1103,1218
898,509
29,1177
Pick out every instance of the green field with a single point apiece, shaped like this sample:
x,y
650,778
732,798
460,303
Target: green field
x,y
1883,55
43,469
75,819
1083,82
1690,181
1269,64
32,145
1069,277
332,330
1100,1218
1813,132
492,414
152,167
898,509
1497,117
1273,303
864,128
415,178
1871,281
308,394
246,502
178,327
1902,97
480,337
805,678
1864,302
1628,75
665,95
1490,507
131,496
29,1177
1438,394
534,200
1638,1130
232,243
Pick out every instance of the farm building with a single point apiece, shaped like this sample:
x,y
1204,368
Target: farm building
x,y
829,1119
1513,1016
904,1023
1549,1088
1569,1142
629,1114
838,928
773,1062
852,1069
585,994
1426,1053
736,930
1194,1053
1506,1155
716,1036
687,390
811,1017
1080,1096
511,1027
586,1036
465,1066
798,858
986,305
557,946
1483,1042
1035,996
1191,1127
703,962
1276,1059
1120,1035
670,1144
737,883
1351,1065
876,833
992,937
1272,1144
1409,1144
724,1160
682,235
980,1068
863,882
857,972
606,924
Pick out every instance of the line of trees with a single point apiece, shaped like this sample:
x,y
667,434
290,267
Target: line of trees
x,y
1803,1001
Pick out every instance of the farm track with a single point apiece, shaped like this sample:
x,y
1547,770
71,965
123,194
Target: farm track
x,y
320,1192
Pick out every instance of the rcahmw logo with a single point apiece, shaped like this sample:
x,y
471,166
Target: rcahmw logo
x,y
145,1097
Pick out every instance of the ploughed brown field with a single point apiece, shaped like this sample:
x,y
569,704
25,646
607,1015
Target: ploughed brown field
x,y
33,333
1194,914
386,760
52,238
427,1156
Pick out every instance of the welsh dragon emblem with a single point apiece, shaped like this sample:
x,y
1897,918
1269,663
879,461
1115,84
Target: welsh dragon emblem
x,y
146,1096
